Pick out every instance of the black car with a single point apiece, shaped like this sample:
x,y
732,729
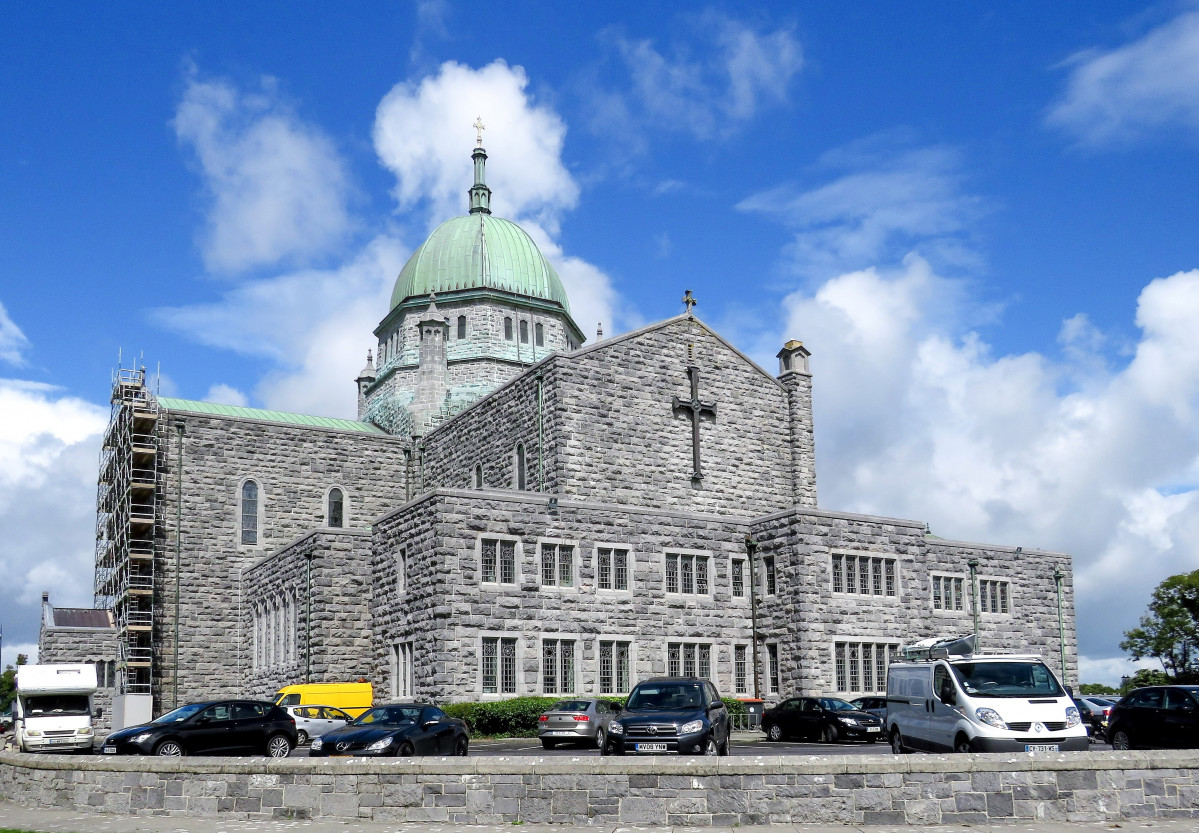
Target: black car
x,y
1164,715
877,706
1094,712
672,714
219,726
820,718
399,729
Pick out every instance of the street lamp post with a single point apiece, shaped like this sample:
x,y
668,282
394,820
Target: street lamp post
x,y
751,549
1058,575
973,565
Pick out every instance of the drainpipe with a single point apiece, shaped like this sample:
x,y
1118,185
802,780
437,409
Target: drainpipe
x,y
1058,575
973,565
540,434
178,546
751,548
308,620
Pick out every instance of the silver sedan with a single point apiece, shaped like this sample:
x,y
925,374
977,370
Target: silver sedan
x,y
314,721
581,721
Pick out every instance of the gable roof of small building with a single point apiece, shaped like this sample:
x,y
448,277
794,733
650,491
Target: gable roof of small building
x,y
214,409
79,617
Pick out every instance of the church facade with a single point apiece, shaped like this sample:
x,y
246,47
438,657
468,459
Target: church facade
x,y
517,513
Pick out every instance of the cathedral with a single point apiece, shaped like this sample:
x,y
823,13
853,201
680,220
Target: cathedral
x,y
514,512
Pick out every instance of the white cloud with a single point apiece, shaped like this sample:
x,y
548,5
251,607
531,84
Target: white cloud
x,y
12,341
1109,670
917,417
11,652
1135,89
49,445
709,91
226,395
278,188
886,197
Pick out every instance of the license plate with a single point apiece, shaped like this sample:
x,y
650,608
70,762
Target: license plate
x,y
109,750
563,734
874,728
651,747
1040,747
60,740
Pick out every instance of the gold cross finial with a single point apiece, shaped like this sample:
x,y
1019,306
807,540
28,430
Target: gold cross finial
x,y
479,128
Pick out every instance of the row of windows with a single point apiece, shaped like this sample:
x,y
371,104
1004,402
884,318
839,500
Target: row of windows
x,y
250,511
861,667
390,348
950,593
274,632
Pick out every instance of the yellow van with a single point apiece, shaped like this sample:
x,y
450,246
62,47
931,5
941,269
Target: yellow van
x,y
354,698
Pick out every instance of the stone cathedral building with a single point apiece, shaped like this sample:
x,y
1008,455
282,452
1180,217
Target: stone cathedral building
x,y
515,511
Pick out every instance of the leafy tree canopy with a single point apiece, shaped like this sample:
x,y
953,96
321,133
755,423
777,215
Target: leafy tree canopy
x,y
1169,630
1096,688
8,683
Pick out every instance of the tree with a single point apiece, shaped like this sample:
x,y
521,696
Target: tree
x,y
1144,677
1096,688
1169,631
8,683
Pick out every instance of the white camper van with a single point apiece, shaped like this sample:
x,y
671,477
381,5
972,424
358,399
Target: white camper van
x,y
53,709
944,698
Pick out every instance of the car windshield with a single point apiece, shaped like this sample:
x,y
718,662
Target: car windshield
x,y
832,704
44,704
180,714
389,716
571,706
667,697
1006,679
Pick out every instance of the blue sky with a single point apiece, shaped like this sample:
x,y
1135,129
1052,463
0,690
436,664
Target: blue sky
x,y
981,221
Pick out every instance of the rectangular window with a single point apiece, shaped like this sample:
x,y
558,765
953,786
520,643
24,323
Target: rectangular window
x,y
689,659
864,575
948,592
772,659
549,666
461,327
614,666
994,595
524,331
768,569
612,569
508,329
705,662
401,670
861,667
557,565
687,574
402,570
498,561
674,660
540,335
738,578
499,665
740,670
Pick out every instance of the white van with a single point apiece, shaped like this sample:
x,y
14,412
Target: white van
x,y
53,709
979,703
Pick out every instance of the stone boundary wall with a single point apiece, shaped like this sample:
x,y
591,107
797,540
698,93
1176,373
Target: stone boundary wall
x,y
912,790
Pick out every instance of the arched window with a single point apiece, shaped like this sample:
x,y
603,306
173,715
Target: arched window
x,y
461,326
478,475
539,334
508,329
336,511
520,466
524,331
249,512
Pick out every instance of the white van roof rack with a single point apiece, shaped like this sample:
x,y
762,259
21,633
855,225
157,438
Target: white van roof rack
x,y
939,648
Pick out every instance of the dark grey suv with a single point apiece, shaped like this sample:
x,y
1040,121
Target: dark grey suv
x,y
671,714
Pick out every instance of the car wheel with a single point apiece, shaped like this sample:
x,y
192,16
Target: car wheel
x,y
962,745
1121,740
829,734
774,733
278,746
897,743
405,750
710,747
301,738
169,748
726,747
462,747
546,743
601,737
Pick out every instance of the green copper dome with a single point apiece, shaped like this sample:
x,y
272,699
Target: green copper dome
x,y
479,251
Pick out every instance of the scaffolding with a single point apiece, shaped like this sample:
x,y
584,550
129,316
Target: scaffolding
x,y
127,526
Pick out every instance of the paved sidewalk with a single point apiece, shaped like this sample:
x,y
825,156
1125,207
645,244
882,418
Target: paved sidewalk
x,y
19,817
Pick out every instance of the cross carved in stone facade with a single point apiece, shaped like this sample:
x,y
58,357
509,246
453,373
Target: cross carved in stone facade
x,y
694,408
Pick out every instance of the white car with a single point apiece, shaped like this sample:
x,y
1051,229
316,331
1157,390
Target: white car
x,y
314,721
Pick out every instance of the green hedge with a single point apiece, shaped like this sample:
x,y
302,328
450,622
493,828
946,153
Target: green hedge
x,y
517,718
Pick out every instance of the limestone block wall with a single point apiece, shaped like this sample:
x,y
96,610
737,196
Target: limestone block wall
x,y
294,467
803,436
321,583
807,617
447,609
92,645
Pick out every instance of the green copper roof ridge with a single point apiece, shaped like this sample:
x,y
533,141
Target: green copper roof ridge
x,y
266,415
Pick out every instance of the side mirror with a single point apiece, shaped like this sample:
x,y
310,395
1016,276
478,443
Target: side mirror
x,y
1070,692
619,708
949,697
429,723
98,713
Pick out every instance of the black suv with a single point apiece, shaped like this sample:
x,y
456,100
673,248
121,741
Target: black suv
x,y
1160,715
221,726
671,714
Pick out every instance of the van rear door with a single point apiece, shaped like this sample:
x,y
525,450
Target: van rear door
x,y
908,692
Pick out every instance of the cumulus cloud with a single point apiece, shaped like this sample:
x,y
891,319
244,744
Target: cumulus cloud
x,y
880,198
226,395
1135,89
49,445
918,417
278,190
12,341
708,88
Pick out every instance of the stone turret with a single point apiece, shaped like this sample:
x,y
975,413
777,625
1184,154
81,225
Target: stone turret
x,y
797,379
366,378
433,369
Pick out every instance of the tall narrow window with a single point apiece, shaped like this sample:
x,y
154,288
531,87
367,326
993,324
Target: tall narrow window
x,y
508,329
401,670
772,656
498,561
524,331
768,566
614,667
461,326
558,666
740,670
336,508
738,578
401,571
478,475
520,466
539,335
557,565
249,512
612,569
